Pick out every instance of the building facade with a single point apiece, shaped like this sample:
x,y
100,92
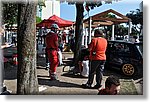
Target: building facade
x,y
49,8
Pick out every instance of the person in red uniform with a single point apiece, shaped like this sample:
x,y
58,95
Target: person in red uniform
x,y
97,49
112,86
52,49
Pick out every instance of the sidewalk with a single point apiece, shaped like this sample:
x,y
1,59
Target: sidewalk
x,y
68,84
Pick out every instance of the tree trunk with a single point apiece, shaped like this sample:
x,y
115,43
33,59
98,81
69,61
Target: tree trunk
x,y
27,82
78,33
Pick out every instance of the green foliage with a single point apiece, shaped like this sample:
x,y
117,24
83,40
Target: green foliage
x,y
110,16
108,1
121,30
136,17
38,19
91,5
10,12
41,3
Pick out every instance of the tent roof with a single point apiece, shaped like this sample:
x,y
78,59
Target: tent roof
x,y
103,19
55,19
45,23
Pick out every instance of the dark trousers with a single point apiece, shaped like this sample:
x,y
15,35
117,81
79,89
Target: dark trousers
x,y
46,55
96,66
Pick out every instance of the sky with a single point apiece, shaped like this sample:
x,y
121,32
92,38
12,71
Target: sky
x,y
68,12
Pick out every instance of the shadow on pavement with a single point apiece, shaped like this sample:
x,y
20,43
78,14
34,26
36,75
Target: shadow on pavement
x,y
10,72
71,75
41,67
68,62
41,61
57,83
43,76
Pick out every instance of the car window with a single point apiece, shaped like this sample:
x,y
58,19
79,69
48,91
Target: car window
x,y
126,48
121,47
110,46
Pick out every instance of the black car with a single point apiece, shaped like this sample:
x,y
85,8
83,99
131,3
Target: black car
x,y
126,57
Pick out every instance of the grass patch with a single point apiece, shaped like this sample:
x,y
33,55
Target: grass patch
x,y
127,87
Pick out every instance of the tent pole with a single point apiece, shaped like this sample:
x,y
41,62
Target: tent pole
x,y
83,35
113,35
129,29
90,28
86,37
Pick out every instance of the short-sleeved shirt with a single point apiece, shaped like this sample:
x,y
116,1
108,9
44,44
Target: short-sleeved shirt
x,y
99,46
51,38
103,92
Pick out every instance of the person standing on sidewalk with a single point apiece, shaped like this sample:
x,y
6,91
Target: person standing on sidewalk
x,y
97,49
3,88
52,50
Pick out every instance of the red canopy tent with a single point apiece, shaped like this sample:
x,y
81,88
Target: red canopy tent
x,y
45,23
55,19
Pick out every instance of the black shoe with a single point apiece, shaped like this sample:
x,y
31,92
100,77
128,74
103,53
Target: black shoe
x,y
97,86
86,86
54,78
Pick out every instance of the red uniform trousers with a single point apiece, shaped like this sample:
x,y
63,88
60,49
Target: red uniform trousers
x,y
53,59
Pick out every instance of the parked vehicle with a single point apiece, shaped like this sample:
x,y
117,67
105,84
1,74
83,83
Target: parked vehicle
x,y
126,57
10,55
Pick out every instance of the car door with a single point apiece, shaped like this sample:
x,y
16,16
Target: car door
x,y
114,55
136,58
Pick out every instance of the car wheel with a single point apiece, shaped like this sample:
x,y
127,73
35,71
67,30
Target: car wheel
x,y
128,69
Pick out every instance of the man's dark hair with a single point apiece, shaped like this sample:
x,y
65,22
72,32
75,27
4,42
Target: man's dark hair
x,y
98,33
112,80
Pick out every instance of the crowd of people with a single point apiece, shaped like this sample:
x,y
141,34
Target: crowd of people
x,y
92,60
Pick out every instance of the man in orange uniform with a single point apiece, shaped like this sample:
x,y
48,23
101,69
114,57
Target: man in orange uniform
x,y
52,49
97,50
